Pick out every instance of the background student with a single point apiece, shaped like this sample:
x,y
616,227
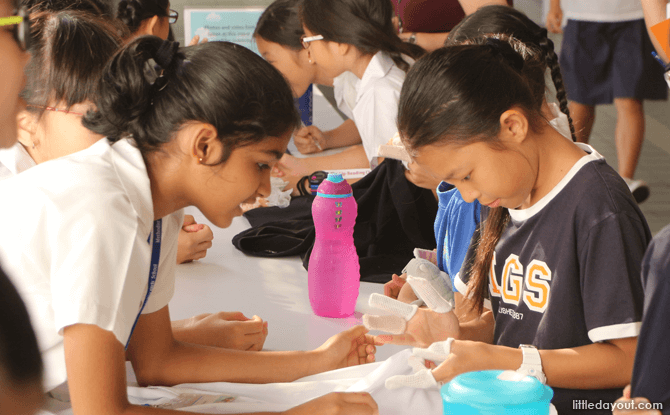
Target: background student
x,y
114,209
605,58
355,36
278,36
20,361
562,238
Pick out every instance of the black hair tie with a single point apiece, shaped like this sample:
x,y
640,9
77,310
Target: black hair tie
x,y
166,53
504,49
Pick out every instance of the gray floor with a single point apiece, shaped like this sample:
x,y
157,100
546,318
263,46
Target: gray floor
x,y
654,164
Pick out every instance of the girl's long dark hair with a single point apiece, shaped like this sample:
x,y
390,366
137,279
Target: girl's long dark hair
x,y
133,12
280,23
507,20
365,24
69,53
456,95
150,88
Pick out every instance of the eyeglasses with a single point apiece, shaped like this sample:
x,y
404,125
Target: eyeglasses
x,y
22,33
54,109
307,39
173,16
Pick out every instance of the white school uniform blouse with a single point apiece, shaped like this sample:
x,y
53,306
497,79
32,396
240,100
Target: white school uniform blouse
x,y
74,242
375,106
14,160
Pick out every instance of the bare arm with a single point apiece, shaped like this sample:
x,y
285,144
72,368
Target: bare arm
x,y
345,135
594,366
159,359
97,381
654,13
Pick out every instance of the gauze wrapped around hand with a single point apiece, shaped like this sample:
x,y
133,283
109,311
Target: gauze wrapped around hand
x,y
429,286
396,323
422,377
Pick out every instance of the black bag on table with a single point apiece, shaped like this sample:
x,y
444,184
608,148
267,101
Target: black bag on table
x,y
394,217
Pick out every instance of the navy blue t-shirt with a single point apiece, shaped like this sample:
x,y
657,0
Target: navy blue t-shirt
x,y
651,374
567,269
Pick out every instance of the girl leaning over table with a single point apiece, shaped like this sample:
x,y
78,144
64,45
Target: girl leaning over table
x,y
556,269
355,36
198,126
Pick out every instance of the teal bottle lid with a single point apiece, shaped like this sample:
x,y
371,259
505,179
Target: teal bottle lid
x,y
335,177
495,388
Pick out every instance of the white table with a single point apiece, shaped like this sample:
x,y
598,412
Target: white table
x,y
273,288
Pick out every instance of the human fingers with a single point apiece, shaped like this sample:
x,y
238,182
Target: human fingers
x,y
188,220
193,227
392,288
204,40
232,316
626,392
396,322
397,339
194,40
361,398
205,234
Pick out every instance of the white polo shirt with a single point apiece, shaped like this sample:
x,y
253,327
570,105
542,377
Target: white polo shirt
x,y
372,101
75,244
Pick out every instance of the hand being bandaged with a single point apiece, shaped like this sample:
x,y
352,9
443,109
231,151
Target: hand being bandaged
x,y
422,377
431,286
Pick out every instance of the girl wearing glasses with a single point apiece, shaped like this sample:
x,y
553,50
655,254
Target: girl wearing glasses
x,y
355,36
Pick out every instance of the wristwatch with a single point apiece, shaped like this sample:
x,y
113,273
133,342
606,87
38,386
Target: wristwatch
x,y
532,363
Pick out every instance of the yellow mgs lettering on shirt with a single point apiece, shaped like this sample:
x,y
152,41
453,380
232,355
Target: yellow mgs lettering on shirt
x,y
532,286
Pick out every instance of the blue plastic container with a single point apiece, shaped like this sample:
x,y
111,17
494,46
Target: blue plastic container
x,y
489,393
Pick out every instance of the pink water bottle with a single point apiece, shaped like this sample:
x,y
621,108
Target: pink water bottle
x,y
333,276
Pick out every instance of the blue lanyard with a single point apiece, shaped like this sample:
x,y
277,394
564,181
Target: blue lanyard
x,y
153,271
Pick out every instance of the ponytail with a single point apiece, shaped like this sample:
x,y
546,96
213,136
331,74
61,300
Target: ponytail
x,y
509,21
364,24
455,96
552,63
151,87
491,230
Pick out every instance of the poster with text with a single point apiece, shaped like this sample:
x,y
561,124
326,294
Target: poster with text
x,y
222,24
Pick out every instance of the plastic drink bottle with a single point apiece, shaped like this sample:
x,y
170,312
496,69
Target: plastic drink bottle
x,y
333,275
496,392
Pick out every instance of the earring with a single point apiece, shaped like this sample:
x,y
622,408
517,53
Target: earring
x,y
33,145
199,160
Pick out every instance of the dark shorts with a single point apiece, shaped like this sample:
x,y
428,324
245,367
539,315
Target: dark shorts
x,y
604,61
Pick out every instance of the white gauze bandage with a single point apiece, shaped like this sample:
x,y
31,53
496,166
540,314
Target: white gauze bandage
x,y
396,322
423,377
430,285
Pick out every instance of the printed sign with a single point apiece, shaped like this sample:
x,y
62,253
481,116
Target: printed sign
x,y
222,24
